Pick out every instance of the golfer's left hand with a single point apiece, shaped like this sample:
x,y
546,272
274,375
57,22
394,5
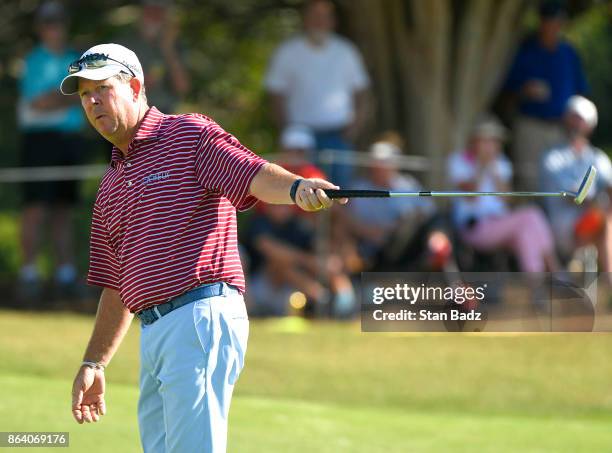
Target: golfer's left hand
x,y
311,197
88,403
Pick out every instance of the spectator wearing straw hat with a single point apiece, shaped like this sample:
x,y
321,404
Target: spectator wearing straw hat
x,y
399,234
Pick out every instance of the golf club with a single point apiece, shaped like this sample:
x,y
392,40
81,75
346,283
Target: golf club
x,y
578,196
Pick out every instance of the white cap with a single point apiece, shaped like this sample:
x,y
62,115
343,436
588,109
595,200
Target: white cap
x,y
298,137
124,57
584,108
488,126
384,151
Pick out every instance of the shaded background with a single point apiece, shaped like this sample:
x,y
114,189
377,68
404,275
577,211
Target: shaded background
x,y
434,66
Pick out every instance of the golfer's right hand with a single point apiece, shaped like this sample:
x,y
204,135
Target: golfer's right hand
x,y
88,395
311,197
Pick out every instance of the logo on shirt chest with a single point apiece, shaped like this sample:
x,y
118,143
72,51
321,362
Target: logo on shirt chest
x,y
155,177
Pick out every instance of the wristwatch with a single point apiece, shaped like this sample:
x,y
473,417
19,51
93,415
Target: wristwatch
x,y
93,365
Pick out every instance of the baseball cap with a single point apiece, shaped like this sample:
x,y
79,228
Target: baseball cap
x,y
488,126
298,137
384,152
50,13
99,63
551,9
584,108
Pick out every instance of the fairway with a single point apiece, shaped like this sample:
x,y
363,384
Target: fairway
x,y
327,387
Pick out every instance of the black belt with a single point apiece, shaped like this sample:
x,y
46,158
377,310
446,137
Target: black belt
x,y
150,315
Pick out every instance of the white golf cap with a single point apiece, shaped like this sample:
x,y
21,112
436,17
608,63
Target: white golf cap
x,y
120,59
584,108
298,137
488,126
384,152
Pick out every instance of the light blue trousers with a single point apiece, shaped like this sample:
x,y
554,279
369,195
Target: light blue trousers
x,y
190,361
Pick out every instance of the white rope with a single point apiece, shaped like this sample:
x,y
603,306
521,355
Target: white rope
x,y
59,173
95,171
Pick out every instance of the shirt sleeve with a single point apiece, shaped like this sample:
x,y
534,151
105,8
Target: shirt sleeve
x,y
28,82
516,75
504,169
103,263
582,87
224,165
604,169
359,76
279,73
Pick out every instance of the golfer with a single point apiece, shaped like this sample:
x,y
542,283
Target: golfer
x,y
164,248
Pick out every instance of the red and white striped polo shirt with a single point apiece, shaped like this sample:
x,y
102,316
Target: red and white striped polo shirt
x,y
164,220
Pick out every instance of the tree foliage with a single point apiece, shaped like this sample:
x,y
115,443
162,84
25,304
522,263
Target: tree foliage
x,y
435,64
592,35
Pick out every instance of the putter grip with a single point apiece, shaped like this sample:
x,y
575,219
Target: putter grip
x,y
332,193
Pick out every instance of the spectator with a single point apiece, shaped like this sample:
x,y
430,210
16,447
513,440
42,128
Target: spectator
x,y
298,146
156,45
397,233
546,72
563,167
51,127
281,246
486,223
318,79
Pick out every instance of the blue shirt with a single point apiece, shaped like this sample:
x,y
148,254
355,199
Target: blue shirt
x,y
43,72
560,69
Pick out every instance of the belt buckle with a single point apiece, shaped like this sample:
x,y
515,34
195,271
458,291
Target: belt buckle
x,y
144,318
157,313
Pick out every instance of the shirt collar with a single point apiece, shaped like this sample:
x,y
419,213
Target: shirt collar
x,y
326,44
147,130
149,126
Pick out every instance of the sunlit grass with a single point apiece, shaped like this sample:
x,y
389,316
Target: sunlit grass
x,y
328,387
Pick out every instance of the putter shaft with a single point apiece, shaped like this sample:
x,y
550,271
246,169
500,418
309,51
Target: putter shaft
x,y
391,194
481,194
578,197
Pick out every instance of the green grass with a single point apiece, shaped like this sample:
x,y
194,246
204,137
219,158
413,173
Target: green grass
x,y
327,387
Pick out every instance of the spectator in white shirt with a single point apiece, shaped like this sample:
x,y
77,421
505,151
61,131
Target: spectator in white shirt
x,y
317,79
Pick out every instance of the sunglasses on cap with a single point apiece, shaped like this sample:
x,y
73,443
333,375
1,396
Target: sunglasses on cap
x,y
94,61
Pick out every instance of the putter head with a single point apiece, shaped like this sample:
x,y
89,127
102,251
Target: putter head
x,y
585,185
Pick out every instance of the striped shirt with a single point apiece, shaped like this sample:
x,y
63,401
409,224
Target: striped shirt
x,y
164,220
